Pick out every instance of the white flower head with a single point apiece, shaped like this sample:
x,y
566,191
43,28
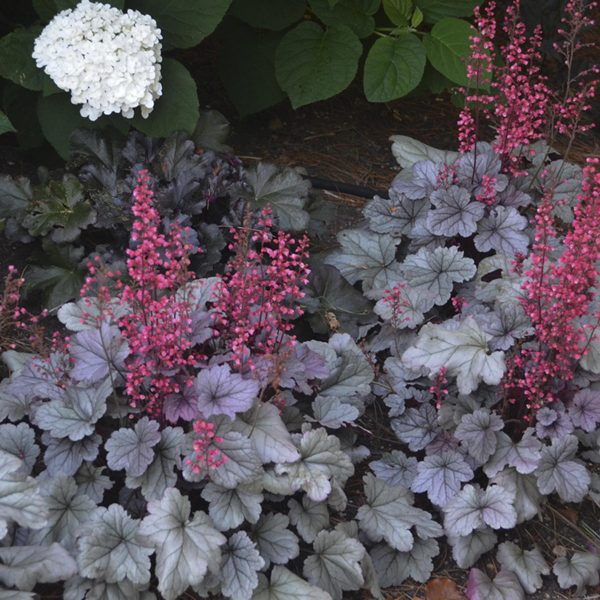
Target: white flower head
x,y
108,60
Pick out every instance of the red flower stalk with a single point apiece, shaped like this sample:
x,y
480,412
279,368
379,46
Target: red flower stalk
x,y
558,295
259,291
158,325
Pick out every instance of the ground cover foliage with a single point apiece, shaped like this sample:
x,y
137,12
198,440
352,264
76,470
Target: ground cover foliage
x,y
198,421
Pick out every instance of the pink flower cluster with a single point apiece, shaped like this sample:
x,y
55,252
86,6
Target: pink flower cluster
x,y
397,303
19,328
259,292
158,325
519,99
558,295
206,456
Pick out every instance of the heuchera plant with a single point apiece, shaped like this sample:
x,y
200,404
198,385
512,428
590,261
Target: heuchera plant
x,y
189,433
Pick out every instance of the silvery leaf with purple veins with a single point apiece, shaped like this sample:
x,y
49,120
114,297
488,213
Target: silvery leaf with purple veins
x,y
513,196
455,213
423,181
395,468
503,230
506,324
98,352
472,167
417,427
479,432
441,475
221,392
396,215
553,423
585,409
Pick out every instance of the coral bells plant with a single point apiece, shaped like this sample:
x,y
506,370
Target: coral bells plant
x,y
193,435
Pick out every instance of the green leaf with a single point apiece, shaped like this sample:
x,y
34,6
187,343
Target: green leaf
x,y
183,23
284,585
283,189
436,10
448,48
25,566
177,108
5,125
398,11
394,67
15,195
185,548
16,62
59,275
211,131
355,14
247,67
313,64
59,209
58,119
268,14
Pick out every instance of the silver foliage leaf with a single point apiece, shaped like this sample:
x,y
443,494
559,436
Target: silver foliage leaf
x,y
276,543
582,569
113,548
388,516
284,585
505,586
474,508
241,561
528,565
503,231
19,440
395,468
335,564
321,459
132,449
527,497
407,151
332,412
363,255
559,470
229,508
185,547
20,499
395,215
463,352
25,566
441,475
436,271
478,431
68,510
65,457
455,213
75,415
264,426
394,567
160,473
417,427
467,549
92,482
308,517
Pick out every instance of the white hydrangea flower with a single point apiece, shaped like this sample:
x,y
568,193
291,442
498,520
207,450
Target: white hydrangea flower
x,y
109,60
